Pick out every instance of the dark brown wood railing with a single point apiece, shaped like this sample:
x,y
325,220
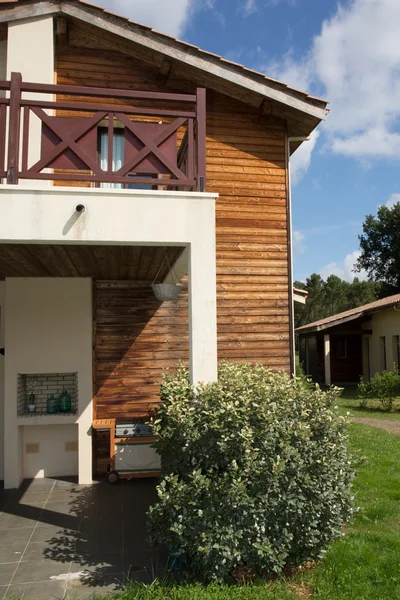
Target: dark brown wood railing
x,y
163,136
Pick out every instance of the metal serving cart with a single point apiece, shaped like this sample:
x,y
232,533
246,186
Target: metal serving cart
x,y
131,450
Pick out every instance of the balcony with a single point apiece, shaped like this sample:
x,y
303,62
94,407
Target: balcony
x,y
105,138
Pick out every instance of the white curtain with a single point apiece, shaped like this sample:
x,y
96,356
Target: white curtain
x,y
118,155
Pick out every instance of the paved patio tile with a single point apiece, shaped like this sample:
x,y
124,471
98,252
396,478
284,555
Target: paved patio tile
x,y
37,485
60,552
52,517
45,590
37,500
101,546
63,507
95,585
76,538
12,521
11,553
41,570
12,541
99,564
33,496
6,572
53,534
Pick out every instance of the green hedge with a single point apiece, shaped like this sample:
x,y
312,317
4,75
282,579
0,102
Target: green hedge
x,y
256,471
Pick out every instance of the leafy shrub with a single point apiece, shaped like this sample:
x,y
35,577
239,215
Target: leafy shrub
x,y
385,386
300,374
363,391
256,471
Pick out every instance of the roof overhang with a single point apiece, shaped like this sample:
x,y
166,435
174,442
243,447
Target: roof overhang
x,y
300,296
334,323
302,112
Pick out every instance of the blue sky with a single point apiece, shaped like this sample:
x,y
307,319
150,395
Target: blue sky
x,y
348,53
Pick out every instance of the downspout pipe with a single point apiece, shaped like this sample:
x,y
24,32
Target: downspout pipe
x,y
291,140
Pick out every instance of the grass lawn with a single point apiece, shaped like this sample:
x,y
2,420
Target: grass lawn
x,y
363,565
349,402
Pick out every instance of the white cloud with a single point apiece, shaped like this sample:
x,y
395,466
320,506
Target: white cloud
x,y
301,159
297,72
298,238
344,269
249,7
169,17
355,63
394,199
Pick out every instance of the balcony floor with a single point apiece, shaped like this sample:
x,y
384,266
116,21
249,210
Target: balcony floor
x,y
62,540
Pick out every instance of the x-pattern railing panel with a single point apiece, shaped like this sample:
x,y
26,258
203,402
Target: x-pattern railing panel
x,y
166,142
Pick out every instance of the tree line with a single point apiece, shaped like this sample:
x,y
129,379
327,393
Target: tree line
x,y
379,257
331,296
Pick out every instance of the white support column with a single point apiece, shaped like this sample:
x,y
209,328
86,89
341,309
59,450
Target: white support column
x,y
30,51
327,359
203,311
85,464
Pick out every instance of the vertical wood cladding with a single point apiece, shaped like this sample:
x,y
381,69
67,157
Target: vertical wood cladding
x,y
246,165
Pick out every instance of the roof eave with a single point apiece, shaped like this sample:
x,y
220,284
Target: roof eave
x,y
174,49
335,323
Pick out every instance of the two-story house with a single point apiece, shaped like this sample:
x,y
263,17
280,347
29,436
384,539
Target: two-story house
x,y
130,158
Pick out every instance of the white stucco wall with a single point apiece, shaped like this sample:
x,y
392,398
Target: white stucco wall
x,y
48,330
50,451
30,51
2,312
385,323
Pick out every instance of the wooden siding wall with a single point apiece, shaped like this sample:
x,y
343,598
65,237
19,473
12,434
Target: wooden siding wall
x,y
246,165
136,337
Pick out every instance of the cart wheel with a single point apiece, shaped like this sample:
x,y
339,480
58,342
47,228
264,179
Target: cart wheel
x,y
112,477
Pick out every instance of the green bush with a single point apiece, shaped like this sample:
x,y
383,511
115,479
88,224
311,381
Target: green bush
x,y
385,386
256,471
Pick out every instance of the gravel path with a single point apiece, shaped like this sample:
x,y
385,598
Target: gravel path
x,y
386,424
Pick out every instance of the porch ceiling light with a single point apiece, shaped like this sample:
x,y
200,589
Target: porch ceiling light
x,y
166,291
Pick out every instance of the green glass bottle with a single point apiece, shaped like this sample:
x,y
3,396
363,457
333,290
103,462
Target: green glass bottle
x,y
52,405
65,402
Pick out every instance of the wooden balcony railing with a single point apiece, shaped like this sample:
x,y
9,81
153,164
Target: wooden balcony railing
x,y
102,136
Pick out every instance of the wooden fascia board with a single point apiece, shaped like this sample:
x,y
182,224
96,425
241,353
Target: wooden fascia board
x,y
329,325
39,9
171,50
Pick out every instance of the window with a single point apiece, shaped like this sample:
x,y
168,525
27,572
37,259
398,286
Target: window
x,y
396,350
382,353
118,154
118,161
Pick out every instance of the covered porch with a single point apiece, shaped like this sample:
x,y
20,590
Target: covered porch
x,y
56,261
